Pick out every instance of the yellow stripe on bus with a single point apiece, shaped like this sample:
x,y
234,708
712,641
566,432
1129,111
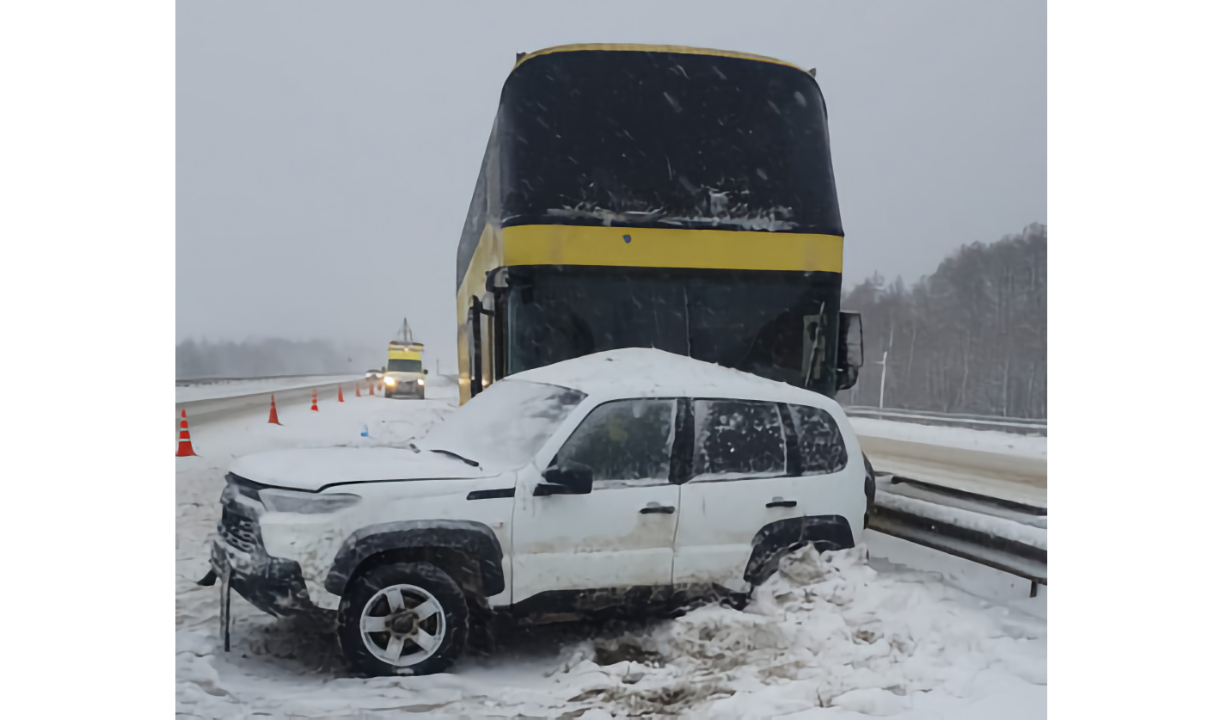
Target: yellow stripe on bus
x,y
671,248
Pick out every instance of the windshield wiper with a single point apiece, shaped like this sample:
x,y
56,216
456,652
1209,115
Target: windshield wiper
x,y
468,461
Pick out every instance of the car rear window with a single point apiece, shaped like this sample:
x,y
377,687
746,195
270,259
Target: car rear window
x,y
819,440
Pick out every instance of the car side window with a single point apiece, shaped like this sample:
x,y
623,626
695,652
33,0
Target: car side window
x,y
625,442
738,438
819,440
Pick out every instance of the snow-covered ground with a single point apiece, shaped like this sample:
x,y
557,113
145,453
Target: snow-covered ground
x,y
233,388
889,629
993,441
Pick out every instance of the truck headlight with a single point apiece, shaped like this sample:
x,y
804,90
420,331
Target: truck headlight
x,y
391,381
292,501
420,381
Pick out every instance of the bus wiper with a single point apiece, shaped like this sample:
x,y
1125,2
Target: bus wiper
x,y
468,461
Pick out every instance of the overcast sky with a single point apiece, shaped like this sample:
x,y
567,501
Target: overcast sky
x,y
327,152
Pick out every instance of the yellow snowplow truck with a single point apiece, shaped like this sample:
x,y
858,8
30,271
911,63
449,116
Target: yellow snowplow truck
x,y
404,375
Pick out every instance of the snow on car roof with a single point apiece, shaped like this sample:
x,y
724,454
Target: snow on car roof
x,y
643,372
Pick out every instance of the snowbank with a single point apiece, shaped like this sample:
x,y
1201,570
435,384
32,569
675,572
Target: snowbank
x,y
824,632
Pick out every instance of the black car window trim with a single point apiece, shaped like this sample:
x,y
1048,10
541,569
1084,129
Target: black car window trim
x,y
792,446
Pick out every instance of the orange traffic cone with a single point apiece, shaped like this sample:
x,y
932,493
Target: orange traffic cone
x,y
370,387
357,389
185,449
315,400
275,418
340,393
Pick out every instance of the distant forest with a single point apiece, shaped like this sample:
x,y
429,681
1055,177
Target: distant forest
x,y
970,338
267,357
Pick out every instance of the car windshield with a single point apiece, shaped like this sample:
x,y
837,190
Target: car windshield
x,y
505,425
405,366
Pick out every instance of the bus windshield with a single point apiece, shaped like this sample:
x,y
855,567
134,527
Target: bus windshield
x,y
776,325
666,140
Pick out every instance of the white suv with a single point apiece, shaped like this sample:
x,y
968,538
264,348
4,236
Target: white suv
x,y
616,480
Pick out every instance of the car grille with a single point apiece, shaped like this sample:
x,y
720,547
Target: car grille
x,y
239,531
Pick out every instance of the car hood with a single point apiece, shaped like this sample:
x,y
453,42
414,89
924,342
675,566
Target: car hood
x,y
314,468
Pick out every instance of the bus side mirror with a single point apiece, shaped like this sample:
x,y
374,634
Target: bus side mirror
x,y
497,280
425,371
851,349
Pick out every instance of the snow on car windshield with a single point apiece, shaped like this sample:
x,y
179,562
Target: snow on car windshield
x,y
506,424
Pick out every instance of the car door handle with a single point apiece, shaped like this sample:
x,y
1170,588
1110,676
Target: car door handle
x,y
780,502
651,508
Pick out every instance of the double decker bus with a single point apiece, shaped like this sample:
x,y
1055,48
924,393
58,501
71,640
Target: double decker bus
x,y
656,196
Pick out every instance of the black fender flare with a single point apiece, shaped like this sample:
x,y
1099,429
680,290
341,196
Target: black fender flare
x,y
474,539
777,539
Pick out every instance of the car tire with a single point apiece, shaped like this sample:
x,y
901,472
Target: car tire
x,y
389,394
369,602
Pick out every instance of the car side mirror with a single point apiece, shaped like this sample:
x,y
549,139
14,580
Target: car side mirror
x,y
566,479
851,349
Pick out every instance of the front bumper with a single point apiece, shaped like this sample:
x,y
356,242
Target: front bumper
x,y
404,389
273,585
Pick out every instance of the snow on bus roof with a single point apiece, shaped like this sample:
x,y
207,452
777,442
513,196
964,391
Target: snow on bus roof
x,y
632,47
641,372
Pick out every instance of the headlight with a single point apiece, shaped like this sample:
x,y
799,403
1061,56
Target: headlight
x,y
390,381
420,381
291,501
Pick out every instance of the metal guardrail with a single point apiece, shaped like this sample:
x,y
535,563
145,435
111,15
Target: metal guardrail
x,y
187,382
969,543
964,420
228,406
251,401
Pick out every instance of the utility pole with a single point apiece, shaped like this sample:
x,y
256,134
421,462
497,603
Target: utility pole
x,y
884,355
881,362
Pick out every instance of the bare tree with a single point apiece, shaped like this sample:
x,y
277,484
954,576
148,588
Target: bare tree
x,y
971,337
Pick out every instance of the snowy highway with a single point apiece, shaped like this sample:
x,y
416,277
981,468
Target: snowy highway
x,y
890,629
